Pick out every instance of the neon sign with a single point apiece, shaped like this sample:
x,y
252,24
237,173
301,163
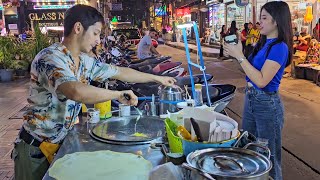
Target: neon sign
x,y
161,11
65,6
210,16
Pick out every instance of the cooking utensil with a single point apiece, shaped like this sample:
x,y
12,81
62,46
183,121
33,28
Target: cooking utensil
x,y
196,129
122,130
232,163
204,174
128,98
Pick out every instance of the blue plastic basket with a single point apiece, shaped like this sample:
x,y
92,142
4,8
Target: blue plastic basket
x,y
190,146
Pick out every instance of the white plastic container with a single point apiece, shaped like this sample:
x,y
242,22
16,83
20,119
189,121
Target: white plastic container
x,y
93,115
124,110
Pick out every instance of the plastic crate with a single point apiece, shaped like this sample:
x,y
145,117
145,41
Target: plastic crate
x,y
190,146
179,145
175,142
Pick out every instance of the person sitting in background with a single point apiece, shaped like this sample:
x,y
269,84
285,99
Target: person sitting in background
x,y
160,39
295,31
145,47
301,42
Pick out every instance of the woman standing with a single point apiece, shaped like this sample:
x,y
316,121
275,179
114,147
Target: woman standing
x,y
233,29
223,33
263,113
244,34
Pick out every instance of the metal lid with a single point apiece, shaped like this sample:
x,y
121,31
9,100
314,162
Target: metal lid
x,y
230,162
170,89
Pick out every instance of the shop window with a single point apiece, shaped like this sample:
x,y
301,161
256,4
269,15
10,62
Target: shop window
x,y
235,13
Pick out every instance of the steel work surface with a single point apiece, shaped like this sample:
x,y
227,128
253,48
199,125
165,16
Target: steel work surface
x,y
79,140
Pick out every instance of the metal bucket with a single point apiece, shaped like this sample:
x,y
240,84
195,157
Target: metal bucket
x,y
232,163
169,94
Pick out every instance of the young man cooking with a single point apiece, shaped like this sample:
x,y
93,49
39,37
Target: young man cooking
x,y
60,77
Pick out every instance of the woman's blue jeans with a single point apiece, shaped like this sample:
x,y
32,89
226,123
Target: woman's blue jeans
x,y
263,116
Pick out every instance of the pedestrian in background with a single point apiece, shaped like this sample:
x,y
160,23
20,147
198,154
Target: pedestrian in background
x,y
249,40
316,31
233,29
243,36
263,114
256,37
223,34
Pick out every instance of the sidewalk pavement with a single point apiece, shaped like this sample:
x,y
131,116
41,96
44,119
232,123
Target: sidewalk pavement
x,y
206,51
215,45
12,99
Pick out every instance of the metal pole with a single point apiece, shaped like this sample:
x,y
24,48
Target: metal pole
x,y
189,61
195,28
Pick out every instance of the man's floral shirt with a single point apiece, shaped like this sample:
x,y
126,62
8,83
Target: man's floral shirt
x,y
51,114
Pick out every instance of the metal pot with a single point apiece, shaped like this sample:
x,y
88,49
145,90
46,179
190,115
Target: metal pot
x,y
232,163
168,95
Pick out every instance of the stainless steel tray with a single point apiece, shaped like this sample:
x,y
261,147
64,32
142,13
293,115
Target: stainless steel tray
x,y
129,130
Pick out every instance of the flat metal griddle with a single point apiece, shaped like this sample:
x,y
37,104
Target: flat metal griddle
x,y
121,130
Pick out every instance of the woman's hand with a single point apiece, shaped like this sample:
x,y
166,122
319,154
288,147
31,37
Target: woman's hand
x,y
233,50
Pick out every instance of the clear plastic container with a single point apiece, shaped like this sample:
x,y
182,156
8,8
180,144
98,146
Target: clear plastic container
x,y
198,95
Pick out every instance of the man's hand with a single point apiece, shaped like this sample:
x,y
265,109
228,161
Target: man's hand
x,y
165,80
133,101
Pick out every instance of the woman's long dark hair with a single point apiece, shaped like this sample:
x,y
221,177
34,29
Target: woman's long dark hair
x,y
222,29
280,13
233,28
246,28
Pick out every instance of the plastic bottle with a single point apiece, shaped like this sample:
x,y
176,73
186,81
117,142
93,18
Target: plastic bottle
x,y
104,107
198,95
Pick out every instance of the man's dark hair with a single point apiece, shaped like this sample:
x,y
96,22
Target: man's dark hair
x,y
86,15
153,30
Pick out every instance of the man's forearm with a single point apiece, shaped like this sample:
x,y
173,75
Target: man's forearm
x,y
153,50
131,75
87,94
